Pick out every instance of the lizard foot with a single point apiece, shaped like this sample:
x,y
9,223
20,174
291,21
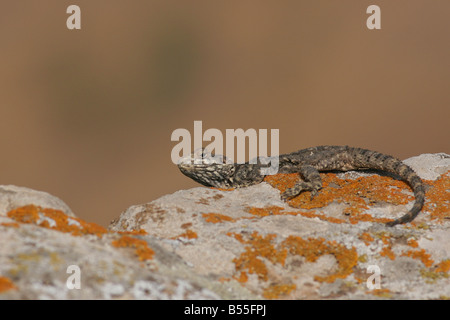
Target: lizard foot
x,y
299,188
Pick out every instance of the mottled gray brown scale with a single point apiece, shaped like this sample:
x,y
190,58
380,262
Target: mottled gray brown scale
x,y
308,163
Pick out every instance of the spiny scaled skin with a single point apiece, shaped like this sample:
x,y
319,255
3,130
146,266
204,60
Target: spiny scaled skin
x,y
308,162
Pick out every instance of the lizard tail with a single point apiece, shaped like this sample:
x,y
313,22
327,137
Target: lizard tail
x,y
419,194
367,158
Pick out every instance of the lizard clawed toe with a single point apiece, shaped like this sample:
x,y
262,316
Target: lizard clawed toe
x,y
289,194
314,193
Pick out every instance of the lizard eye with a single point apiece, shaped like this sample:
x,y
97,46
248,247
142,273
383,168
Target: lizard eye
x,y
204,156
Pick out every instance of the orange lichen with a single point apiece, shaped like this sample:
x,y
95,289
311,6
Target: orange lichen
x,y
438,198
443,266
26,214
6,284
387,252
9,224
243,277
282,181
261,250
266,211
356,193
59,220
386,239
251,261
141,248
188,234
422,255
139,232
412,243
216,217
366,237
312,249
278,290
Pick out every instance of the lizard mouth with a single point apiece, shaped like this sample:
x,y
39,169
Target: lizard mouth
x,y
210,175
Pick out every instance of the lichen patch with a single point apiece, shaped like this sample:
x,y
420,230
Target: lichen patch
x,y
56,220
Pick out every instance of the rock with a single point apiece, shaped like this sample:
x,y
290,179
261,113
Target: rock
x,y
205,243
12,197
430,166
328,247
45,254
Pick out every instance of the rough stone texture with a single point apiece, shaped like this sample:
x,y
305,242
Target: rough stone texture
x,y
12,197
430,166
315,249
207,243
39,246
36,259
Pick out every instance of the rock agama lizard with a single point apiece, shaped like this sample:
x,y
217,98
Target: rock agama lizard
x,y
308,162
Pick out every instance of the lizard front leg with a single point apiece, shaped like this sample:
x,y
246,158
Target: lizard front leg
x,y
312,182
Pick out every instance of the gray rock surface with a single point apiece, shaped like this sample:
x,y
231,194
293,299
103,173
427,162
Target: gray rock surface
x,y
36,261
430,166
207,243
12,197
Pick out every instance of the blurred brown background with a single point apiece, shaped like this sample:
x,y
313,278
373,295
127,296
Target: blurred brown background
x,y
87,115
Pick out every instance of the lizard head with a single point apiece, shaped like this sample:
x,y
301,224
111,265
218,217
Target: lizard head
x,y
218,172
208,170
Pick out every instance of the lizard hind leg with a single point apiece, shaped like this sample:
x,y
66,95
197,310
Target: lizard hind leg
x,y
312,182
